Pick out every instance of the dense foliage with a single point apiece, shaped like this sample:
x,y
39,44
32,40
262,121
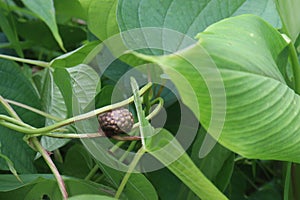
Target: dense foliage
x,y
213,87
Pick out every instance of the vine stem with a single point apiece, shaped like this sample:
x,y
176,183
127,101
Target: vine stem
x,y
44,114
92,173
71,120
28,61
51,165
287,181
18,125
39,148
132,165
9,109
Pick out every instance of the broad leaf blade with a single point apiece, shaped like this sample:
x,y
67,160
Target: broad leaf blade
x,y
45,10
85,84
137,187
102,20
76,57
53,103
262,112
63,81
189,17
10,31
34,186
15,86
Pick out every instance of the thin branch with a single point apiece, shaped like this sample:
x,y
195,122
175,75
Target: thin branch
x,y
9,109
132,165
44,114
28,61
68,121
52,166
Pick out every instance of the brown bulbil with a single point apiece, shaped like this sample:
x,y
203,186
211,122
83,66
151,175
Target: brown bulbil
x,y
116,121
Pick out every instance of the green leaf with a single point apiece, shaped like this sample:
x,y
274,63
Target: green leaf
x,y
267,192
103,98
78,162
90,196
102,20
8,27
80,82
10,165
78,56
15,86
45,10
217,166
193,14
290,17
164,147
188,18
137,187
161,180
25,31
68,9
85,84
53,104
35,186
261,110
147,25
63,81
266,9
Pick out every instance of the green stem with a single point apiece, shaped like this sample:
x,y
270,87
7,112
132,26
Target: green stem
x,y
23,127
20,126
295,66
138,106
116,146
44,114
287,181
129,149
57,156
28,61
16,119
100,178
73,135
76,118
52,166
146,101
14,126
9,109
132,165
92,173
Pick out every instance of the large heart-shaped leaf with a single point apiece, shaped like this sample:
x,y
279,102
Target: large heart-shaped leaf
x,y
261,113
188,18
